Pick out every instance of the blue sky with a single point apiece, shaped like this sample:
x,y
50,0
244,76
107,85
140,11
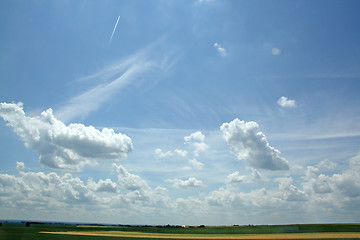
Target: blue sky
x,y
193,112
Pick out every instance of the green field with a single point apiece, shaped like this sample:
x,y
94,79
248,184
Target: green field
x,y
16,231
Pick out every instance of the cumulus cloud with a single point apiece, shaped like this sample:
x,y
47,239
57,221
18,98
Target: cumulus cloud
x,y
235,177
200,147
128,180
255,174
347,182
251,146
228,197
326,196
136,193
222,51
44,189
132,197
326,164
34,190
188,183
60,146
316,182
289,191
20,166
161,154
286,103
197,140
275,51
196,164
196,136
181,153
102,186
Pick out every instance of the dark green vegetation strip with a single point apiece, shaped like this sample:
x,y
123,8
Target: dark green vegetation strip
x,y
261,229
16,231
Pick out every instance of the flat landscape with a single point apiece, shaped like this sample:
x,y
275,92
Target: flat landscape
x,y
40,231
121,234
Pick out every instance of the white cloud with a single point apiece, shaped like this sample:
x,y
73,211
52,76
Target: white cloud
x,y
222,196
136,201
44,189
196,136
190,182
290,192
196,140
327,197
348,182
137,194
275,51
60,146
91,100
316,182
204,1
235,177
336,194
128,180
222,51
200,147
181,153
250,145
255,174
326,164
55,193
286,103
102,186
112,80
20,166
229,198
196,164
159,153
112,34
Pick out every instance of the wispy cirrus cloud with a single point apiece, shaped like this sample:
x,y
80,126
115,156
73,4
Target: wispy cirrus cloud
x,y
113,79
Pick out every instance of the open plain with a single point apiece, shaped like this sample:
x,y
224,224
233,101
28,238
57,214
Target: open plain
x,y
63,231
121,234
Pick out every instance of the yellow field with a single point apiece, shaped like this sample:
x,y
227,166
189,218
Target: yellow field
x,y
213,236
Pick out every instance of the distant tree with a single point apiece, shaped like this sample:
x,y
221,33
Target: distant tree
x,y
0,224
27,224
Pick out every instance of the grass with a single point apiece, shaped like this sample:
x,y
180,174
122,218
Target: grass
x,y
16,231
337,235
261,229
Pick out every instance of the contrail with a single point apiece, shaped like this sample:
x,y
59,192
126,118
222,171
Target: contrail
x,y
113,30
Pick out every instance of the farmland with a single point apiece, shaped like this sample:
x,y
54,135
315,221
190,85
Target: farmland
x,y
12,231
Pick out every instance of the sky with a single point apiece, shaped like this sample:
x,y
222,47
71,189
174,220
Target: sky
x,y
180,112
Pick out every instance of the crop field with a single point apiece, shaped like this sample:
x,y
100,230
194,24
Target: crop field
x,y
141,235
15,231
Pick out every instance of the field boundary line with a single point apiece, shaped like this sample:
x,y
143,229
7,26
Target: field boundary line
x,y
324,235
